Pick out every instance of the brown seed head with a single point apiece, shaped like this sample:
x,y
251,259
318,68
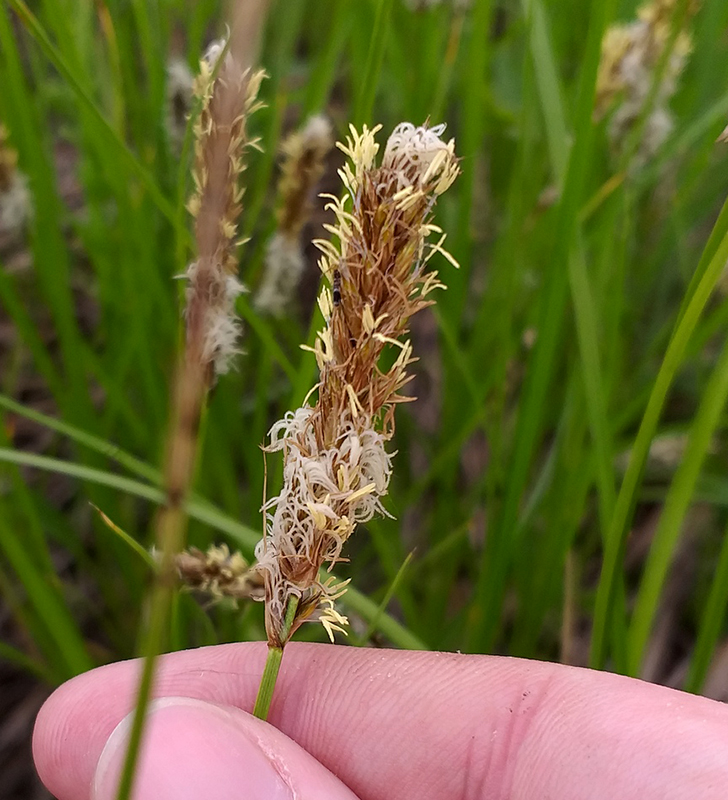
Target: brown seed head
x,y
304,154
381,267
228,96
336,467
630,54
219,573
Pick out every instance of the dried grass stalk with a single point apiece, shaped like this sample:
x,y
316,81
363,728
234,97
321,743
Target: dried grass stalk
x,y
228,96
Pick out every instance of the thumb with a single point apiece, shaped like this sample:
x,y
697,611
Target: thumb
x,y
193,749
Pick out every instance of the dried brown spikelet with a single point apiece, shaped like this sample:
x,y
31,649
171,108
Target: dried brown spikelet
x,y
336,467
381,275
304,154
219,572
228,94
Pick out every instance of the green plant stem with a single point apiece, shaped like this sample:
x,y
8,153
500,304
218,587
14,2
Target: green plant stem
x,y
189,398
158,626
676,504
273,664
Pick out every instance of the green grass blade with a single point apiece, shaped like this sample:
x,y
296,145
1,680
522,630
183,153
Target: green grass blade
x,y
364,103
549,89
48,604
18,313
96,443
17,658
711,622
590,359
627,497
676,505
324,72
499,547
35,29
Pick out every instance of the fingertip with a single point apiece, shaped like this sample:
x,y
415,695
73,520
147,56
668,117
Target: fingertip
x,y
194,749
62,729
75,722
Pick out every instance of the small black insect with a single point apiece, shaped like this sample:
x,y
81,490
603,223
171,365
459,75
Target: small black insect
x,y
337,288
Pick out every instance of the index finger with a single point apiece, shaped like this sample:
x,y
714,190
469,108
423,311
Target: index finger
x,y
429,726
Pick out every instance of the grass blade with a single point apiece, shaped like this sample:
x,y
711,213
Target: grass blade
x,y
676,505
627,497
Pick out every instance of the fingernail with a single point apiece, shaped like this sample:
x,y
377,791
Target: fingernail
x,y
194,750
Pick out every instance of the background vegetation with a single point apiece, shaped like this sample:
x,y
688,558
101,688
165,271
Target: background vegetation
x,y
583,327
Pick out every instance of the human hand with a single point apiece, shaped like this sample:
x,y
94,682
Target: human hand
x,y
386,724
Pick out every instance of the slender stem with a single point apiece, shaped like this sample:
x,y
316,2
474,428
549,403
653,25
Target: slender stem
x,y
268,682
273,664
191,389
157,632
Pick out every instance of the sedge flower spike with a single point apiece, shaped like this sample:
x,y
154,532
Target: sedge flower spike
x,y
218,573
304,156
630,56
336,467
228,96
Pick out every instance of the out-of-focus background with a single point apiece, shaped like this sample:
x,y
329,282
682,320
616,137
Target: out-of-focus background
x,y
560,484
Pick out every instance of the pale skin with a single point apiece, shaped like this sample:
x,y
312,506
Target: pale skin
x,y
351,723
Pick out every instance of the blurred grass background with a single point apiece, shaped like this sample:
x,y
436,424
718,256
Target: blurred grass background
x,y
560,488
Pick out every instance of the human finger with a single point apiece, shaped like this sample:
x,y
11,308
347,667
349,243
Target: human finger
x,y
424,725
193,749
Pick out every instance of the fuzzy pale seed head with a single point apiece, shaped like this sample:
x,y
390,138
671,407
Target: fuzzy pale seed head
x,y
630,55
304,156
336,466
284,265
659,14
